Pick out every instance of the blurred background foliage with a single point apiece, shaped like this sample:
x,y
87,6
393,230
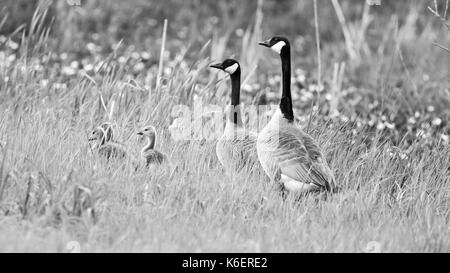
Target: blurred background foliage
x,y
137,21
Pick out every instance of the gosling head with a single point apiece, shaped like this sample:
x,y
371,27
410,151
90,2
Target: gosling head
x,y
277,44
102,133
230,66
147,131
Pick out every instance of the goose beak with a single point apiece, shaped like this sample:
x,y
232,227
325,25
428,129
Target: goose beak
x,y
218,66
265,43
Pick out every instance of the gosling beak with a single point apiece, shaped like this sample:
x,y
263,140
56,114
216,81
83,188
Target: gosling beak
x,y
140,133
91,139
218,66
265,43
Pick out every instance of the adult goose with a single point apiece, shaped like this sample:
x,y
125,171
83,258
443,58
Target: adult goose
x,y
236,148
104,144
287,154
149,155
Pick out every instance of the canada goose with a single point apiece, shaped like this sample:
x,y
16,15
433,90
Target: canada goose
x,y
287,154
236,148
148,152
104,144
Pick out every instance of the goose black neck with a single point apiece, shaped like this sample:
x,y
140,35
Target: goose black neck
x,y
286,98
235,87
235,96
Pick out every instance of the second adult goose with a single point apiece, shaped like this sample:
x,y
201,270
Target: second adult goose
x,y
288,154
236,149
148,152
104,144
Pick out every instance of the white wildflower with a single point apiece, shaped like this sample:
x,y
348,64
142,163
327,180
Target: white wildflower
x,y
436,122
380,126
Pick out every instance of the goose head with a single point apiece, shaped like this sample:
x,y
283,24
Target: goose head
x,y
230,66
277,44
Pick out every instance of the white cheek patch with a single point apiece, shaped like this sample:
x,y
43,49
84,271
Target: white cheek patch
x,y
232,68
278,46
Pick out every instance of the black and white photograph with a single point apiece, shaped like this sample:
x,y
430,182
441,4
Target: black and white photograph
x,y
250,127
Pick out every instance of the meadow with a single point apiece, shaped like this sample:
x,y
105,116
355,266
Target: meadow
x,y
376,96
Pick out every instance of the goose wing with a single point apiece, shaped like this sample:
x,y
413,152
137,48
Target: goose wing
x,y
245,142
238,150
300,158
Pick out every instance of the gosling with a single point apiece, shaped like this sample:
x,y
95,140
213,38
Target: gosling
x,y
104,144
149,155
